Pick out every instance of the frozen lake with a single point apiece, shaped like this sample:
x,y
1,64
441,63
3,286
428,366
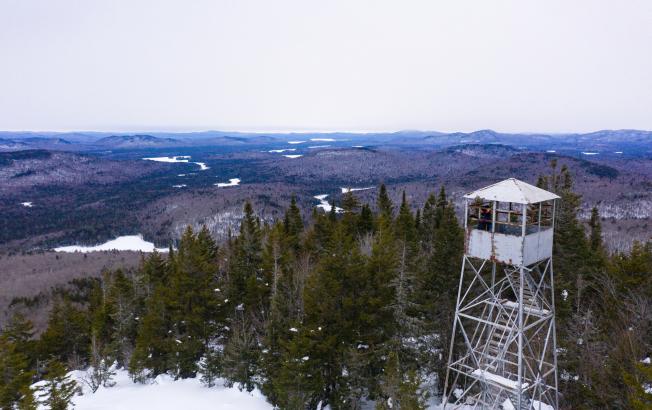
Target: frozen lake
x,y
121,243
232,182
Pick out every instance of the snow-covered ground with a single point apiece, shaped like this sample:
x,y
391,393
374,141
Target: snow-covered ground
x,y
121,243
296,142
322,139
27,204
347,190
319,146
232,182
293,156
590,153
164,393
323,203
178,158
179,186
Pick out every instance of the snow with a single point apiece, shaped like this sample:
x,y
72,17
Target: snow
x,y
232,182
27,204
178,158
323,203
121,243
647,360
179,186
322,139
164,393
319,146
503,381
296,142
282,150
552,151
293,156
590,153
347,190
564,294
181,175
618,152
358,146
293,329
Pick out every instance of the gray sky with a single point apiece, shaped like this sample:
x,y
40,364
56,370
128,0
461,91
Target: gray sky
x,y
548,65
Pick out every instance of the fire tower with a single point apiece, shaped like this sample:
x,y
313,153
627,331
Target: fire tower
x,y
503,352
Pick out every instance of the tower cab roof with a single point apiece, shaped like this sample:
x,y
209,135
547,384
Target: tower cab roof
x,y
512,190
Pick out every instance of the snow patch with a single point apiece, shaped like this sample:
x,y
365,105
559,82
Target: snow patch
x,y
551,151
590,153
121,243
232,182
179,186
296,142
27,204
165,393
323,203
347,190
322,139
293,156
319,146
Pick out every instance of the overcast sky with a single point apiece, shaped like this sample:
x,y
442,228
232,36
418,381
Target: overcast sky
x,y
548,65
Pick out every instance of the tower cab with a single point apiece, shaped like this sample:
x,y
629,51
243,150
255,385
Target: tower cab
x,y
510,222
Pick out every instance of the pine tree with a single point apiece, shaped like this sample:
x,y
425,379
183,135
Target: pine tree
x,y
58,390
400,390
15,372
241,354
67,336
384,203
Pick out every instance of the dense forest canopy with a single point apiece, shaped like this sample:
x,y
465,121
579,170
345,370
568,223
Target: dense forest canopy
x,y
340,309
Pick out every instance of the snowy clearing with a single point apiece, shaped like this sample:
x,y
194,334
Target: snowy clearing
x,y
618,152
232,182
347,190
121,243
319,146
590,153
293,156
164,393
323,203
357,146
202,166
27,204
296,142
281,150
322,139
179,186
551,151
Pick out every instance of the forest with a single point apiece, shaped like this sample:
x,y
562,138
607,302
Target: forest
x,y
338,309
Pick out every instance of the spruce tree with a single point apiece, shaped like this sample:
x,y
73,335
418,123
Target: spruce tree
x,y
15,370
59,389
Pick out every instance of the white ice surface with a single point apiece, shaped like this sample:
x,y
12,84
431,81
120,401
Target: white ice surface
x,y
121,243
232,182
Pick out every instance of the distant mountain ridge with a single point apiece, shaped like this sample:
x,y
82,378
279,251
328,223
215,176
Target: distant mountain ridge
x,y
135,140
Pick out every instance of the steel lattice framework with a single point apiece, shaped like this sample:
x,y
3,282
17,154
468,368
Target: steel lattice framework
x,y
503,352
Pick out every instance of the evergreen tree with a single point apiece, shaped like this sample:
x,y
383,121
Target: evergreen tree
x,y
58,390
15,372
384,203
